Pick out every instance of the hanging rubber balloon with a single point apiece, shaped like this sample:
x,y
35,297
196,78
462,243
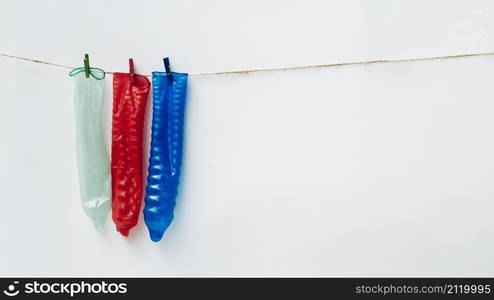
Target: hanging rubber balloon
x,y
165,161
92,158
130,93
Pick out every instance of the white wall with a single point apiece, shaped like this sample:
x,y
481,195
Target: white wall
x,y
379,170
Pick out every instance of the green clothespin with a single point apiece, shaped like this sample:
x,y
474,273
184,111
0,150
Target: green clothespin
x,y
86,65
96,73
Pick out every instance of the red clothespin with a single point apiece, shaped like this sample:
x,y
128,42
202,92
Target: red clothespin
x,y
131,70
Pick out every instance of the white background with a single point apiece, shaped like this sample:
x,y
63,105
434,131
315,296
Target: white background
x,y
377,170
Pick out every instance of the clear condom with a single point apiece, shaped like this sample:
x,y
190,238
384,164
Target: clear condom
x,y
92,157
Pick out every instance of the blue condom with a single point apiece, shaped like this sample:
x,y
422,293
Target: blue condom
x,y
165,160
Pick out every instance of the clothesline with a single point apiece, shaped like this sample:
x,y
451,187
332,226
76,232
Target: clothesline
x,y
247,71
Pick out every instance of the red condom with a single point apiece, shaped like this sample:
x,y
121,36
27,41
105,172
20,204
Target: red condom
x,y
130,94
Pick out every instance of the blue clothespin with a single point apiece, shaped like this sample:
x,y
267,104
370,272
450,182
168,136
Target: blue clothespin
x,y
166,61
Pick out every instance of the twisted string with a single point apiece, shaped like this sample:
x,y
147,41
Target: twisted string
x,y
248,71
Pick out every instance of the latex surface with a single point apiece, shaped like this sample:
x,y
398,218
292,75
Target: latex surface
x,y
92,158
165,160
129,106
